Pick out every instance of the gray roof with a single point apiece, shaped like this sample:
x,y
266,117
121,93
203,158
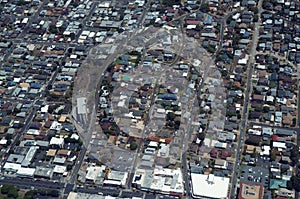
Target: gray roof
x,y
15,158
284,132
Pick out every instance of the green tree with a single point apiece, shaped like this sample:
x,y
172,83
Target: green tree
x,y
69,167
171,116
204,7
53,193
294,155
133,146
170,2
255,18
294,122
254,142
30,194
52,29
296,182
273,157
10,190
13,193
266,109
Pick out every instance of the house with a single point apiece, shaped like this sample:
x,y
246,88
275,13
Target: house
x,y
214,153
284,132
228,136
57,142
268,132
258,98
250,149
221,164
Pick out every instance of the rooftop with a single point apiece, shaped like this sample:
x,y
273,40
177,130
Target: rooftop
x,y
209,186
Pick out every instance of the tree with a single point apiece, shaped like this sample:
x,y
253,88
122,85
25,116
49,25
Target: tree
x,y
177,124
255,18
13,193
289,185
30,194
296,182
53,193
204,7
201,136
52,29
72,35
254,9
10,190
254,142
294,122
170,2
69,167
133,146
266,109
294,155
273,157
171,116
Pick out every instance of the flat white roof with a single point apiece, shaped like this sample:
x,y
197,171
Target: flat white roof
x,y
12,166
209,186
59,169
279,145
26,171
92,172
57,141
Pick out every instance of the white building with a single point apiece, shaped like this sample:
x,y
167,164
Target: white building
x,y
209,186
118,178
166,181
57,141
93,172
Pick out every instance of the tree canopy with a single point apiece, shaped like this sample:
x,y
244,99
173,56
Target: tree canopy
x,y
133,146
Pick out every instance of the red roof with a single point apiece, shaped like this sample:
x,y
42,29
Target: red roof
x,y
225,154
171,10
163,18
214,153
275,137
193,22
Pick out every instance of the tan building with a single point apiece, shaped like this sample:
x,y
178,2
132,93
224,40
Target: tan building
x,y
250,191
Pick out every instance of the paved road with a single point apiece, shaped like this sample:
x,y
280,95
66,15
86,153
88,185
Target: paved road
x,y
29,183
298,138
246,104
96,190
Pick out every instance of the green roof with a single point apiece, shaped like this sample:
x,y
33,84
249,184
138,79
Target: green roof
x,y
276,184
126,78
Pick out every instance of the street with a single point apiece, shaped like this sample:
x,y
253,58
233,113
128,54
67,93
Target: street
x,y
246,103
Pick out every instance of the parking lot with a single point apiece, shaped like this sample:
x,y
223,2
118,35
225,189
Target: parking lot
x,y
257,174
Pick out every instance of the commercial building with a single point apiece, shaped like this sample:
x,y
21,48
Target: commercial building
x,y
159,180
116,178
29,156
43,172
250,191
26,172
93,172
209,186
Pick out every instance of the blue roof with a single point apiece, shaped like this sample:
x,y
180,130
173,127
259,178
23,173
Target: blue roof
x,y
167,96
35,85
208,20
276,184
